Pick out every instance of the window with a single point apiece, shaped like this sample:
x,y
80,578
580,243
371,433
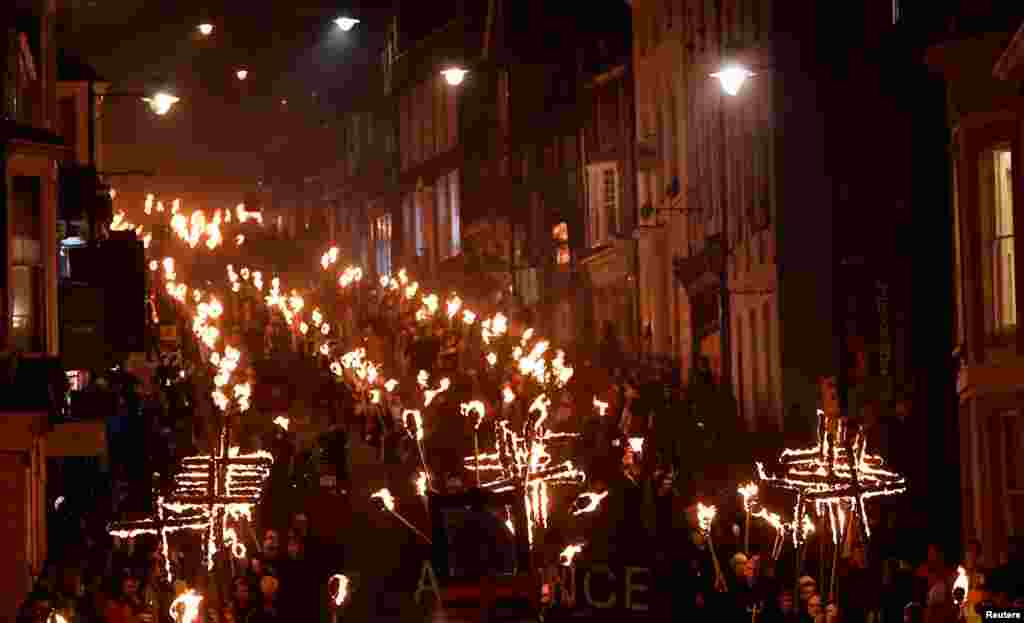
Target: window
x,y
27,270
997,185
421,243
443,216
896,12
382,240
560,236
455,211
603,203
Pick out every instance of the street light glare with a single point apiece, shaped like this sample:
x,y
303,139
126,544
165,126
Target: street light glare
x,y
454,75
205,29
346,23
732,78
242,74
161,102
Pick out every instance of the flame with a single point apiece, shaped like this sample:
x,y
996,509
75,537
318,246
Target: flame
x,y
390,385
705,516
593,500
749,492
417,420
453,305
962,581
773,518
602,407
540,405
475,406
636,444
421,484
231,540
385,496
189,601
430,394
569,553
468,317
341,594
507,395
282,421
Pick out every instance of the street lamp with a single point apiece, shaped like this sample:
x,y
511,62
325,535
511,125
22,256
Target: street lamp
x,y
205,29
454,75
732,77
242,74
161,102
346,23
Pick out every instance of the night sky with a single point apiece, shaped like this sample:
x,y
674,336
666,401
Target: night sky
x,y
214,140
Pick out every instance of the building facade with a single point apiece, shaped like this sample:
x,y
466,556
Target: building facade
x,y
755,201
31,153
608,251
984,76
491,170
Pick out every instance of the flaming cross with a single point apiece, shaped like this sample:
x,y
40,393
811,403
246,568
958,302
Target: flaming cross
x,y
161,526
524,463
837,471
221,483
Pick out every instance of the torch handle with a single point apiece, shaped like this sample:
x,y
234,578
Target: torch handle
x,y
719,576
746,535
423,460
413,528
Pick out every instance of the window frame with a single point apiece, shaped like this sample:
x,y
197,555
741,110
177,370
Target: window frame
x,y
603,224
23,258
1000,316
976,134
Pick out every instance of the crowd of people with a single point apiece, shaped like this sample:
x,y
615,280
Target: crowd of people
x,y
104,584
874,581
648,517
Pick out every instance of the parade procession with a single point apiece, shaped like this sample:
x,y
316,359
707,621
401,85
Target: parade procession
x,y
491,310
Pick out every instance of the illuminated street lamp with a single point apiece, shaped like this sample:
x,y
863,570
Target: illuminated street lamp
x,y
161,102
454,75
205,29
346,23
732,77
242,74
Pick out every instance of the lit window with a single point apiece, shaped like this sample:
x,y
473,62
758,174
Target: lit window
x,y
27,271
997,171
443,216
382,242
421,244
560,235
454,204
602,204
